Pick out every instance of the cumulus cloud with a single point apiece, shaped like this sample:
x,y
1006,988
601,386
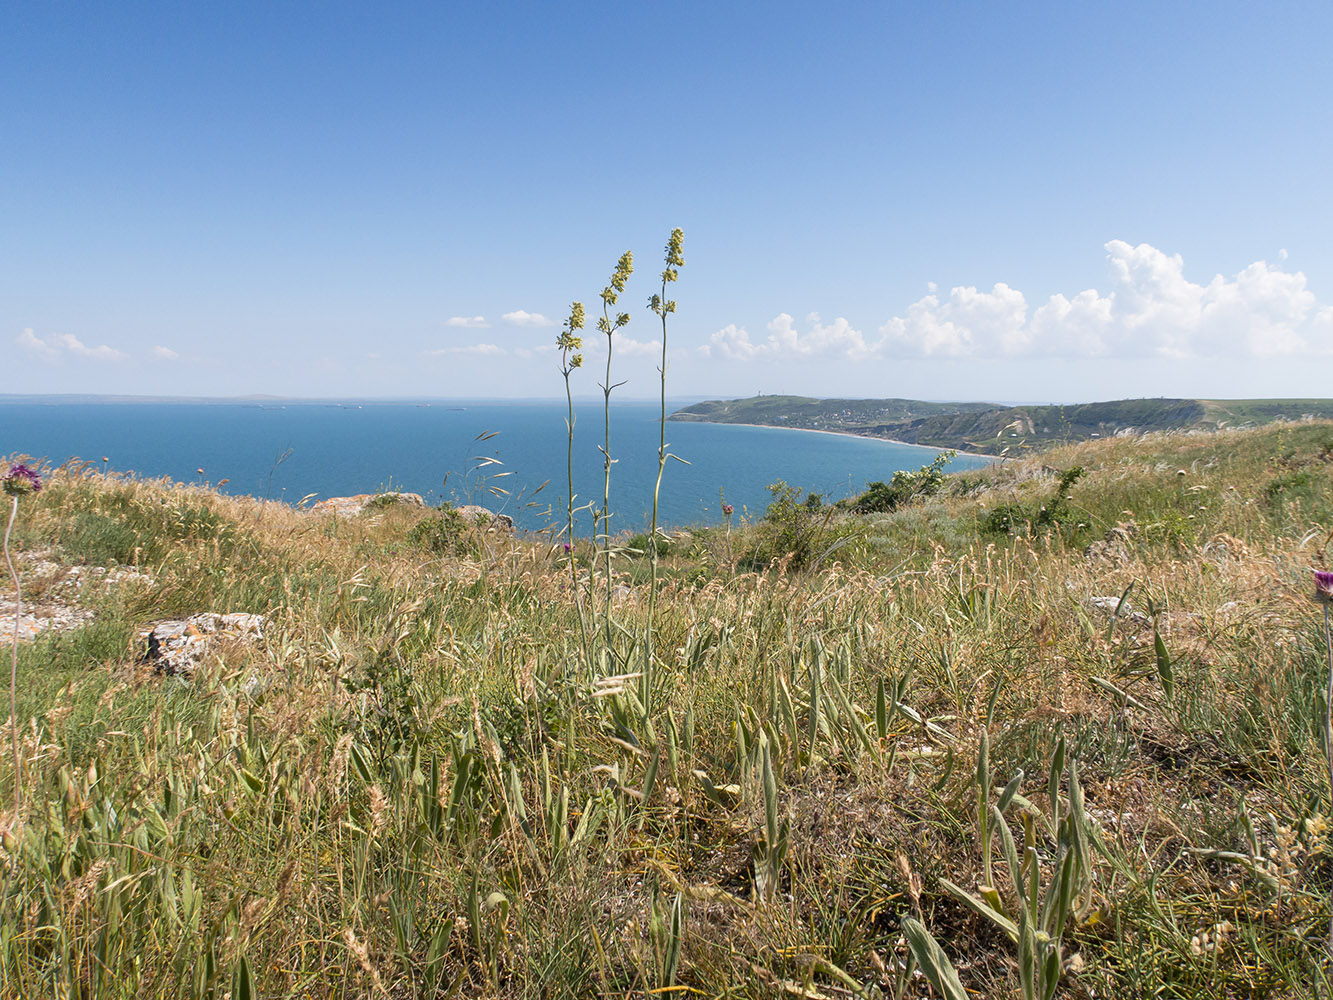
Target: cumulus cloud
x,y
838,340
37,347
1150,310
60,345
160,353
521,317
467,322
480,350
628,347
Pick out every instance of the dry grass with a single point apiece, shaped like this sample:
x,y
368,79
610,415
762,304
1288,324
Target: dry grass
x,y
433,790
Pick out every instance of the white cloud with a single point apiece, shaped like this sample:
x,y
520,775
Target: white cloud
x,y
521,317
160,353
35,346
481,350
628,347
467,322
76,347
61,344
1151,310
966,322
837,340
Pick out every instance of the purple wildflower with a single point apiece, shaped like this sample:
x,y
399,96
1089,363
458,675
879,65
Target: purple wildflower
x,y
20,480
1323,586
569,548
728,509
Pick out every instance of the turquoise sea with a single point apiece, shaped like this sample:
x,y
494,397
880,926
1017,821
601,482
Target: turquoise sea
x,y
493,453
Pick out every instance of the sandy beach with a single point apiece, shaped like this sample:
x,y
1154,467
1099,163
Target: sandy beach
x,y
865,437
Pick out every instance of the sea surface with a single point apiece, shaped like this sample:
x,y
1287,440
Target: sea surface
x,y
498,454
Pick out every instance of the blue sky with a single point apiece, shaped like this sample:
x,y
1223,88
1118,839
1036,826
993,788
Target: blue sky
x,y
1024,201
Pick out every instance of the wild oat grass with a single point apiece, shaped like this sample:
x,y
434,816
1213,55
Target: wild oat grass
x,y
437,788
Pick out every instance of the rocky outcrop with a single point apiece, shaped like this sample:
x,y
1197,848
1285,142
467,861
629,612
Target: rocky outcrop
x,y
1115,547
476,515
52,592
46,617
352,506
179,645
487,520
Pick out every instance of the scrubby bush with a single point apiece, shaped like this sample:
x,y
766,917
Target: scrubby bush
x,y
383,500
1052,512
903,487
799,527
643,543
444,531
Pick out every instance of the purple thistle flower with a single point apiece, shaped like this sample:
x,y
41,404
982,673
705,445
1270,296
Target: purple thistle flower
x,y
1323,586
569,548
728,509
20,480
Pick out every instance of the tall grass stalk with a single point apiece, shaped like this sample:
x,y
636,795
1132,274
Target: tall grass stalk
x,y
624,268
571,358
17,482
1323,586
662,307
14,650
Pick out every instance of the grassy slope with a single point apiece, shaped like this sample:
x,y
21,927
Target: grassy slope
x,y
432,785
993,429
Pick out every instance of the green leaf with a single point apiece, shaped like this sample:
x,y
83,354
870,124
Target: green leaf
x,y
981,907
1163,662
1010,791
881,711
932,960
242,985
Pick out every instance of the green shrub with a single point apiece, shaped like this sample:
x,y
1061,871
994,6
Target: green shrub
x,y
643,543
444,532
903,487
1297,485
1037,516
798,526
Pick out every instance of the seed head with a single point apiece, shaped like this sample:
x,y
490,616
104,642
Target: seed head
x,y
21,480
1323,586
675,258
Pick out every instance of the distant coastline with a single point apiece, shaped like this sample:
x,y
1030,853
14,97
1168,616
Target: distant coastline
x,y
870,437
996,430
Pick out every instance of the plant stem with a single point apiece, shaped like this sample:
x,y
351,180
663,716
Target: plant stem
x,y
14,655
1328,725
646,680
606,489
573,565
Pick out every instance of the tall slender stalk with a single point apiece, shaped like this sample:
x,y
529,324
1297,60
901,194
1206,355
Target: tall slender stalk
x,y
1323,593
14,653
570,345
661,306
1328,725
624,268
18,481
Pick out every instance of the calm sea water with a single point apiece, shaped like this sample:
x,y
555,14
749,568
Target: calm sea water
x,y
443,451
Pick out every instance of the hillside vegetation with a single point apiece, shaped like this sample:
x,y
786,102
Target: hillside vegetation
x,y
1047,733
1001,430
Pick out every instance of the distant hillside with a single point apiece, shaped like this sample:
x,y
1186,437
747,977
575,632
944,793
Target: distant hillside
x,y
995,429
